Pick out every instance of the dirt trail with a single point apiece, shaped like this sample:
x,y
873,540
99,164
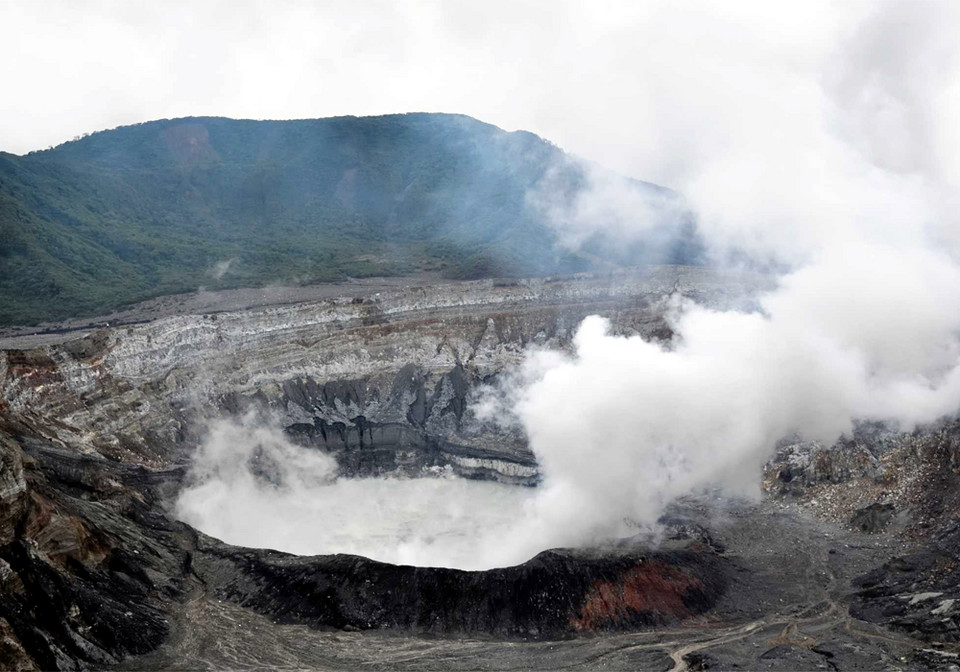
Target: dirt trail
x,y
731,635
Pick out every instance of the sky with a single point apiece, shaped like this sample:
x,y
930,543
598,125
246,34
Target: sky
x,y
649,89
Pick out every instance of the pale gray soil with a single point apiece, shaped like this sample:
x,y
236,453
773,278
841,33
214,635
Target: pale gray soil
x,y
203,301
735,283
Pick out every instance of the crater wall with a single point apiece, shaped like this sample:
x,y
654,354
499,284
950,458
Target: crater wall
x,y
381,380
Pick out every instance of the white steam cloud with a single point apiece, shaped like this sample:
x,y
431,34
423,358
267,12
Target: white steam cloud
x,y
606,203
824,139
252,487
221,268
836,158
624,426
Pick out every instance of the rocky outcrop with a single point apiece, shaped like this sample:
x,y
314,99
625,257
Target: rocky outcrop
x,y
877,480
873,518
800,464
556,594
918,593
13,489
87,572
874,476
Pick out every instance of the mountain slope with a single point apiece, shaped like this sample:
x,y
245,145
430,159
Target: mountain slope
x,y
168,206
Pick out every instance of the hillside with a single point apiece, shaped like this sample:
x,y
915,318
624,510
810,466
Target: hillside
x,y
169,206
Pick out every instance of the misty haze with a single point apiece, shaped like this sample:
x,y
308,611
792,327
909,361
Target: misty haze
x,y
480,336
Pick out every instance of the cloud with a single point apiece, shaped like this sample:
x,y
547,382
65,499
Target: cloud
x,y
652,90
622,221
833,157
624,426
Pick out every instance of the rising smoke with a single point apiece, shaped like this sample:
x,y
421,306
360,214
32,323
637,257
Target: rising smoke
x,y
251,486
221,268
838,161
828,146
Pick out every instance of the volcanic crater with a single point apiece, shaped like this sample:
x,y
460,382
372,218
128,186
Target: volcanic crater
x,y
104,432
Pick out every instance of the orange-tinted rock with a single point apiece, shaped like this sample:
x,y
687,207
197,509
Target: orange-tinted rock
x,y
653,588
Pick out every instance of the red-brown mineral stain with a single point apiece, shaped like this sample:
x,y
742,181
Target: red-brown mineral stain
x,y
655,588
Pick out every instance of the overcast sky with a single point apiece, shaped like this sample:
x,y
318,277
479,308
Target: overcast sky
x,y
647,88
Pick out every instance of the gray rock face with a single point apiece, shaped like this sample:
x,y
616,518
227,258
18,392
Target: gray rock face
x,y
873,518
382,380
917,593
801,464
13,490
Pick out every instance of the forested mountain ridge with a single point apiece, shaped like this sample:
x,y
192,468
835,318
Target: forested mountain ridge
x,y
168,206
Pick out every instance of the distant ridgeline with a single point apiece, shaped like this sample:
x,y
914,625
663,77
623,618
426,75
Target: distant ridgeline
x,y
170,206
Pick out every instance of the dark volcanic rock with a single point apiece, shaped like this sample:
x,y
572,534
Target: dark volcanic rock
x,y
699,661
873,518
82,582
918,593
427,413
556,594
791,658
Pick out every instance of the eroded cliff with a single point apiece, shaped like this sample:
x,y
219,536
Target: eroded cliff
x,y
383,372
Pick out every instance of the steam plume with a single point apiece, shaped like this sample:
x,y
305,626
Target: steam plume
x,y
839,171
251,486
824,141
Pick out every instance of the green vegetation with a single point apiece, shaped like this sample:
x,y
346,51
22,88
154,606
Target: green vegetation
x,y
161,207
